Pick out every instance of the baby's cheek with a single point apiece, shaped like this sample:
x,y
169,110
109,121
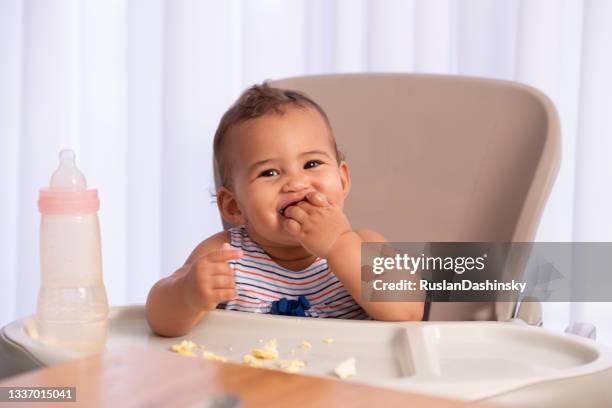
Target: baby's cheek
x,y
335,196
270,218
263,215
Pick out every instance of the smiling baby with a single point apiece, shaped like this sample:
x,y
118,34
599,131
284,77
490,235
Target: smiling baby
x,y
292,250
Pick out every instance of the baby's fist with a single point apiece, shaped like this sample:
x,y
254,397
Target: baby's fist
x,y
210,279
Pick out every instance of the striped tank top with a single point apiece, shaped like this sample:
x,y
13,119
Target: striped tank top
x,y
260,281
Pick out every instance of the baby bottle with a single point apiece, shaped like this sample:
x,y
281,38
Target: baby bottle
x,y
72,311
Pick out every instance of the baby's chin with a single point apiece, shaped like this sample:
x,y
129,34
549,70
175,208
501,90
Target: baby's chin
x,y
284,239
279,238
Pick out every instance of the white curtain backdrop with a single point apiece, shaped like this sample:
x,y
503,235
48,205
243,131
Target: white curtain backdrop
x,y
136,88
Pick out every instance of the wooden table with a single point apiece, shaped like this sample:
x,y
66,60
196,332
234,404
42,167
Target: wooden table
x,y
156,378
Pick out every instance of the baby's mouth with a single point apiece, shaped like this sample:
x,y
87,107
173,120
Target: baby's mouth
x,y
282,210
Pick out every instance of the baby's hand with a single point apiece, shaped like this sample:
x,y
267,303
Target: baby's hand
x,y
210,279
317,224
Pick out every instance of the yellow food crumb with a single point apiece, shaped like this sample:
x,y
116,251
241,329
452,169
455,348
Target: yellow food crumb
x,y
328,340
185,348
251,361
291,366
346,368
267,352
305,345
209,355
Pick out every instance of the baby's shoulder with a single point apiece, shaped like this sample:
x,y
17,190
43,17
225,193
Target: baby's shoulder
x,y
369,235
210,244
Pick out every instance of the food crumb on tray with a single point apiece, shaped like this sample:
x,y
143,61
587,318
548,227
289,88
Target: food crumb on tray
x,y
267,356
346,368
269,351
209,355
186,348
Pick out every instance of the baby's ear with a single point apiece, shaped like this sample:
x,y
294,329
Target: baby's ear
x,y
345,178
228,206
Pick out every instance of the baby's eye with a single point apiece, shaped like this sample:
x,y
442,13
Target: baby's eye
x,y
268,173
312,163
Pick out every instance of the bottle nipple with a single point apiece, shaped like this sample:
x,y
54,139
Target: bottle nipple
x,y
67,176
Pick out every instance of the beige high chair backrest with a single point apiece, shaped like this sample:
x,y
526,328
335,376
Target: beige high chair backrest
x,y
442,158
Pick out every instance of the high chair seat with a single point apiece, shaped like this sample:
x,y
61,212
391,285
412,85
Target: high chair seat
x,y
437,158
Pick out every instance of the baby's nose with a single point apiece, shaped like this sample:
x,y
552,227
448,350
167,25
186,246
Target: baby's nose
x,y
295,184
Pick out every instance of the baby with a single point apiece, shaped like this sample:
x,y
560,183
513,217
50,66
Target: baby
x,y
293,250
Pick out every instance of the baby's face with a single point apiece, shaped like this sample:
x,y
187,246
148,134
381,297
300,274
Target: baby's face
x,y
275,161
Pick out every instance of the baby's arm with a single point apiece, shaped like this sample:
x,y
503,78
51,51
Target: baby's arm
x,y
178,302
345,261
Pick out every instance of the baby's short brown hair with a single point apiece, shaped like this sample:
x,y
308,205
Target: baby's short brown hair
x,y
260,100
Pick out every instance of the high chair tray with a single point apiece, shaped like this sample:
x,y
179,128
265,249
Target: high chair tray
x,y
466,360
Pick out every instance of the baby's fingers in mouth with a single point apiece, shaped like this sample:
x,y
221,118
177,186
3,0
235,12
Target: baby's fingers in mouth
x,y
282,210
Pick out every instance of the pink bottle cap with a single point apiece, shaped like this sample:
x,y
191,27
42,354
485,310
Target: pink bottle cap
x,y
67,192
